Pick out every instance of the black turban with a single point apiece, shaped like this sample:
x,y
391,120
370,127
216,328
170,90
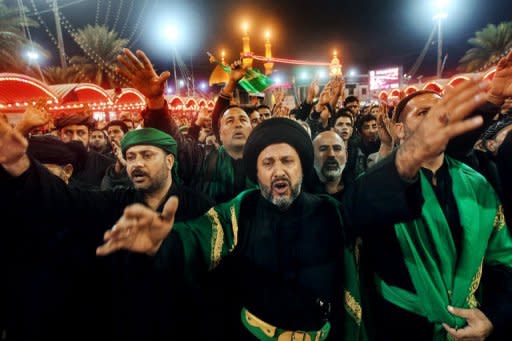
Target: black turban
x,y
274,131
74,119
49,149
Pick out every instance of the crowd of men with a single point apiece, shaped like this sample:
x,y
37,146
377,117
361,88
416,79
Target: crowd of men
x,y
256,222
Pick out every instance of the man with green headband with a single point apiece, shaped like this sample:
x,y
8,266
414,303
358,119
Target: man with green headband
x,y
63,226
286,259
448,274
219,173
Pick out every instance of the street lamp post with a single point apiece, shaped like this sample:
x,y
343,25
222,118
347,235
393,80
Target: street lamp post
x,y
60,40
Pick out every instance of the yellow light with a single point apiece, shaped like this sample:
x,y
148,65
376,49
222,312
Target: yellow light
x,y
245,27
267,35
335,53
223,53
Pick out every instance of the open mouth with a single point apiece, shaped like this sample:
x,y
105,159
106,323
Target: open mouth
x,y
280,186
238,135
138,176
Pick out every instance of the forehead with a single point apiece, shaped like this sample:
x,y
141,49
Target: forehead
x,y
278,150
234,112
343,119
144,148
254,113
328,138
75,127
114,127
264,110
97,133
369,122
422,101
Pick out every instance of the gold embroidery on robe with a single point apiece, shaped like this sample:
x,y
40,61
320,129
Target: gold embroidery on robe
x,y
499,220
353,307
471,300
234,224
217,238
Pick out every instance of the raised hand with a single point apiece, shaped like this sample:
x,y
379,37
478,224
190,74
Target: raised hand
x,y
479,327
142,76
140,229
501,86
385,129
443,122
34,116
313,91
237,73
13,147
279,95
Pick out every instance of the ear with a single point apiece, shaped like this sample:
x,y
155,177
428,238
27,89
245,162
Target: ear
x,y
399,130
170,161
68,171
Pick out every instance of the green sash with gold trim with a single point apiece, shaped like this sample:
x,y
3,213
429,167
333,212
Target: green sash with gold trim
x,y
440,276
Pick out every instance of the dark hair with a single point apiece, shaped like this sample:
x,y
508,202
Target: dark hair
x,y
364,119
495,128
401,105
100,130
344,113
263,106
118,123
350,99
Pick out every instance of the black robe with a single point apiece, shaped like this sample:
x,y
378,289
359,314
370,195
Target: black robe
x,y
53,285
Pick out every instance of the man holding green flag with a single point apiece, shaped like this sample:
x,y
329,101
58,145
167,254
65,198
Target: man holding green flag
x,y
448,274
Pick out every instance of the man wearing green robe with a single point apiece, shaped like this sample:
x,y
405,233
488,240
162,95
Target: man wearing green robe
x,y
447,274
285,259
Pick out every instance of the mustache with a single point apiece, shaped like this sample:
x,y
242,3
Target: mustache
x,y
331,161
139,172
282,178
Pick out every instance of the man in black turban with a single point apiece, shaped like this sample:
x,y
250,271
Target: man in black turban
x,y
76,127
61,159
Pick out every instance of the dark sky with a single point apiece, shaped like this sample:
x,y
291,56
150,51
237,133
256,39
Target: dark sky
x,y
369,34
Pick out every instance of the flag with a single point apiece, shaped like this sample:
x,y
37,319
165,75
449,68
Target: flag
x,y
253,82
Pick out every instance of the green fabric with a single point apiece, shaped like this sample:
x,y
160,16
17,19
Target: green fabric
x,y
218,179
211,237
260,335
152,137
253,82
440,276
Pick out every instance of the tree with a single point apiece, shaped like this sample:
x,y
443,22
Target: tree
x,y
489,45
102,46
59,75
13,42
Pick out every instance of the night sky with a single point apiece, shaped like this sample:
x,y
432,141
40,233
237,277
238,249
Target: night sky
x,y
370,34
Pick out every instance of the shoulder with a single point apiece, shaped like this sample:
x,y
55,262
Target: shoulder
x,y
193,203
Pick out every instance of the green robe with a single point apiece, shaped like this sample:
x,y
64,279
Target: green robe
x,y
441,274
210,238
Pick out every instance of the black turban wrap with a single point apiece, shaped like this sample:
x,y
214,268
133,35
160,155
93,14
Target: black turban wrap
x,y
49,149
274,131
74,119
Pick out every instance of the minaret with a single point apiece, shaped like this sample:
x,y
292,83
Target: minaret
x,y
246,52
268,54
222,57
336,69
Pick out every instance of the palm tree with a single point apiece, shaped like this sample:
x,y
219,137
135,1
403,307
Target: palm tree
x,y
105,46
489,44
13,41
59,75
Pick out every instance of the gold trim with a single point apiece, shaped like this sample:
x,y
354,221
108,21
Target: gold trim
x,y
265,327
217,238
499,220
471,300
234,225
353,307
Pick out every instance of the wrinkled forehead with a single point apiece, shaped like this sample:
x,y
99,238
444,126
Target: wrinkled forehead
x,y
328,138
234,112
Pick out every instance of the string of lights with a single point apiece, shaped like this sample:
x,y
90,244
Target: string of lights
x,y
138,22
290,61
116,20
107,13
125,25
98,6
